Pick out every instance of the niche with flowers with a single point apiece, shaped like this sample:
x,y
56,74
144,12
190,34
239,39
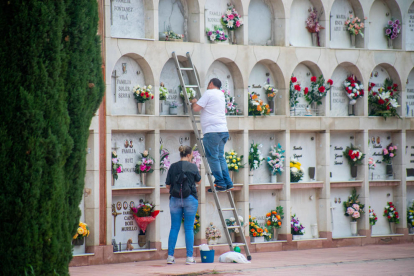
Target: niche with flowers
x,y
409,156
303,147
261,203
409,95
409,42
378,198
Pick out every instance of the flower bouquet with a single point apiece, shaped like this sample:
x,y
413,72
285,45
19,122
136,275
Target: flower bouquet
x,y
191,94
371,164
173,107
144,166
388,154
296,173
276,159
353,208
318,90
231,21
354,89
232,222
116,166
216,35
296,228
384,102
255,230
234,162
164,159
196,223
212,234
372,217
294,94
163,92
255,156
231,105
172,36
392,215
141,95
256,106
392,30
410,218
354,157
274,220
81,233
313,26
271,94
144,214
354,25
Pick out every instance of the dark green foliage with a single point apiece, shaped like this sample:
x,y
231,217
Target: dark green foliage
x,y
49,53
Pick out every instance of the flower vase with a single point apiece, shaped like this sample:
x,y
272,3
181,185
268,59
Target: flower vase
x,y
185,109
233,37
213,41
314,108
389,169
252,239
314,39
173,111
390,45
113,181
311,171
251,177
141,107
271,102
353,41
351,108
274,234
143,179
292,111
231,174
354,228
273,178
162,106
162,36
142,239
78,242
296,237
354,172
308,110
392,228
233,237
210,242
370,229
410,229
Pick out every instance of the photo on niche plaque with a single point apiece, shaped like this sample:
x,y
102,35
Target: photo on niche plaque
x,y
410,172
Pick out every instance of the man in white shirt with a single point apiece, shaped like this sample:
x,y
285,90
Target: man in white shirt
x,y
214,126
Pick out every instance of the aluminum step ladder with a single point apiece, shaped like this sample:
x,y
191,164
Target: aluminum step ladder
x,y
193,75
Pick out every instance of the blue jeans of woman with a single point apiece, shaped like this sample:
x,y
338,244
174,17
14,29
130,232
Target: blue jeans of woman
x,y
214,147
186,207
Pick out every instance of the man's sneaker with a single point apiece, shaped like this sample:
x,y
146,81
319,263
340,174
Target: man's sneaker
x,y
230,188
190,261
170,260
218,189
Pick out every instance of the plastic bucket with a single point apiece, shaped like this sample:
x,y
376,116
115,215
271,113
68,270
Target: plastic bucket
x,y
207,256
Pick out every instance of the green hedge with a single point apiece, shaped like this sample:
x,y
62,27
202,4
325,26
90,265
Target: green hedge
x,y
51,84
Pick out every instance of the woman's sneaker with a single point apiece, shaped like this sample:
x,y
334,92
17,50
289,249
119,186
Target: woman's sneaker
x,y
170,260
190,261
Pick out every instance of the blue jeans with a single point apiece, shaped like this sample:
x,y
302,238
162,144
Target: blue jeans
x,y
188,206
214,148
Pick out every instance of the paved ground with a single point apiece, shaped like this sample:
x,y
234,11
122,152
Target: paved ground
x,y
367,260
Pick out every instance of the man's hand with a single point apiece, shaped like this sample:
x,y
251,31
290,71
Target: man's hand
x,y
193,101
195,106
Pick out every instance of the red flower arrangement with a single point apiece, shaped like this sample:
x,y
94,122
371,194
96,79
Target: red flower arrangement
x,y
354,89
391,213
318,90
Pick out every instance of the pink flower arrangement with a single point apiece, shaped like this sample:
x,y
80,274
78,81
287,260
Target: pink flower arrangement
x,y
164,159
196,159
388,153
371,164
356,215
144,166
354,25
116,167
312,23
350,211
353,208
231,20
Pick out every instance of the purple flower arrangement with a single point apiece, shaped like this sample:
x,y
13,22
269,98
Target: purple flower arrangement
x,y
216,35
296,228
393,29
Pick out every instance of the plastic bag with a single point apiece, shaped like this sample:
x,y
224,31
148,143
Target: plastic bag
x,y
233,257
204,247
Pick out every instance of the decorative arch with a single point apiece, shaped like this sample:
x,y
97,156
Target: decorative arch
x,y
299,11
273,12
380,13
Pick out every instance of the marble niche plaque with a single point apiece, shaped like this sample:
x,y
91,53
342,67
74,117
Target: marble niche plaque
x,y
261,202
126,74
340,37
220,71
340,169
127,18
409,100
303,74
213,10
262,174
299,35
165,224
171,16
124,226
258,78
338,96
303,148
129,148
260,23
171,82
409,154
410,29
379,15
377,142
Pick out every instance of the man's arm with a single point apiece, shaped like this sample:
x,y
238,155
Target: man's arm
x,y
195,106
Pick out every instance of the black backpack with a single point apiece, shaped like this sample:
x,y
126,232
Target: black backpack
x,y
181,188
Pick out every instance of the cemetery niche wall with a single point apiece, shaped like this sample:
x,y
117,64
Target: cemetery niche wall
x,y
179,18
133,19
127,74
409,95
339,36
299,35
409,156
409,25
380,14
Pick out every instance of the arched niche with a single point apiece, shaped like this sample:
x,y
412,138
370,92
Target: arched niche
x,y
378,76
266,22
214,9
171,81
380,13
268,72
338,97
303,72
175,15
132,19
230,76
339,35
130,70
299,12
409,41
409,95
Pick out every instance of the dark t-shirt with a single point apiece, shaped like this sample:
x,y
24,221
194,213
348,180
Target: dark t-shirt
x,y
190,170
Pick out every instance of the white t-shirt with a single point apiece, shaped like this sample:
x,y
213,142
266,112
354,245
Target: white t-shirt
x,y
213,114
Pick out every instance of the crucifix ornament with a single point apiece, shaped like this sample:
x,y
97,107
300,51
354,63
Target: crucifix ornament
x,y
115,214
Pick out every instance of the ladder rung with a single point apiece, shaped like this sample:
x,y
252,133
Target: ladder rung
x,y
233,227
196,121
191,86
186,69
227,209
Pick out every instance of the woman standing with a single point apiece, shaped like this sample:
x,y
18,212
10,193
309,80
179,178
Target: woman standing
x,y
181,181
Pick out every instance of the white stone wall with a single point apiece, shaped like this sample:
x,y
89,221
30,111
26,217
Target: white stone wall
x,y
245,64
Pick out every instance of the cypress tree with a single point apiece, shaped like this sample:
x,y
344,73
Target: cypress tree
x,y
51,84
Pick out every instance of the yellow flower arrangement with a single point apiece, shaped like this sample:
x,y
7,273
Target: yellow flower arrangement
x,y
82,231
